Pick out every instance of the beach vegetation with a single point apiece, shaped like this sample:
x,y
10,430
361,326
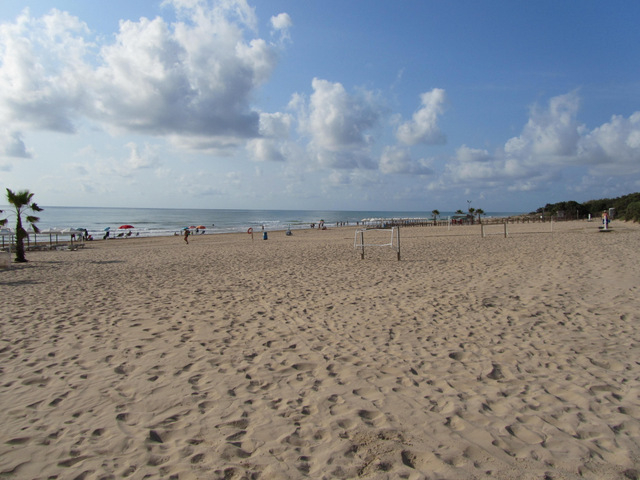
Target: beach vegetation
x,y
435,214
479,212
632,213
572,209
23,204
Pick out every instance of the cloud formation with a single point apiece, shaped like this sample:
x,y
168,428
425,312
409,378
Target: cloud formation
x,y
397,160
197,82
339,124
423,126
192,80
281,24
551,140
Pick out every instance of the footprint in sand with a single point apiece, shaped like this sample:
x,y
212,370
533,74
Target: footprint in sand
x,y
524,434
346,423
304,366
455,423
372,418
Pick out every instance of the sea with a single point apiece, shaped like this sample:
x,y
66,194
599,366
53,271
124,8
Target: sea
x,y
152,222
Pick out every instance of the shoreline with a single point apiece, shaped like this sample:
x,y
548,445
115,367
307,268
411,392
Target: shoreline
x,y
490,358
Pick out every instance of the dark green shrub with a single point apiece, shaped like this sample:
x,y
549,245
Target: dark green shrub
x,y
633,212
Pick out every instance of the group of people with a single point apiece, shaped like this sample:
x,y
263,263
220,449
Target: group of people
x,y
321,225
83,235
187,232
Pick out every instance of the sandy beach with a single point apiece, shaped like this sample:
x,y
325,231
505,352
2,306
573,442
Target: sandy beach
x,y
471,358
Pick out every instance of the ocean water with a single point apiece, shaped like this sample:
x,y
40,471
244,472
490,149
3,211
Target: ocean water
x,y
167,221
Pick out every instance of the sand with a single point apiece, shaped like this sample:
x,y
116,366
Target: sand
x,y
471,358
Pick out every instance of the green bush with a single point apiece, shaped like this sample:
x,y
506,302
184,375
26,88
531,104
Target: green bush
x,y
633,212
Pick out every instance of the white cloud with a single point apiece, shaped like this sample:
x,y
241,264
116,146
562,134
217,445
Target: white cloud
x,y
396,160
281,24
275,129
265,150
552,140
423,127
195,80
275,125
142,158
42,71
550,135
338,123
614,145
192,80
12,145
281,21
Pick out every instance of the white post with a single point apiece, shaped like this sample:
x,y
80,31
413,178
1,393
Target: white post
x,y
505,229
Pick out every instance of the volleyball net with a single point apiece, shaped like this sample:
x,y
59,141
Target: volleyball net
x,y
377,237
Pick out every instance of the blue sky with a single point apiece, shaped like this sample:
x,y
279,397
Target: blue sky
x,y
289,104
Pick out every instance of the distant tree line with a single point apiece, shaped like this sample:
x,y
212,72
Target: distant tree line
x,y
627,207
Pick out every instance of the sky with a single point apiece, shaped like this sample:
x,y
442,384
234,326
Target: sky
x,y
409,105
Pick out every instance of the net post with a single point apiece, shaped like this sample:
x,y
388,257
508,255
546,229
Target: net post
x,y
398,241
362,243
482,229
505,229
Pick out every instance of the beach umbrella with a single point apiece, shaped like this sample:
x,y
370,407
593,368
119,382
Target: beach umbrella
x,y
126,226
192,226
107,229
201,227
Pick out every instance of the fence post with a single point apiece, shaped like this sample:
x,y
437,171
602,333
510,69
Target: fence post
x,y
362,242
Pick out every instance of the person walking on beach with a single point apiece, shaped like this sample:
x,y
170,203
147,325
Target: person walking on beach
x,y
186,236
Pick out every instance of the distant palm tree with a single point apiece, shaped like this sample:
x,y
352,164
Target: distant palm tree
x,y
471,213
479,212
459,212
435,214
21,202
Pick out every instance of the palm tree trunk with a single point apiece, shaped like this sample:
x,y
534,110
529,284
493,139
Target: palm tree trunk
x,y
20,235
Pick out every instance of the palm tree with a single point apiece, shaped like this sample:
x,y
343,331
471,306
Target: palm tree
x,y
435,214
479,212
21,202
471,213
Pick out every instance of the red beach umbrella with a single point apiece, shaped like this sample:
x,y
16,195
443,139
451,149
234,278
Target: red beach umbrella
x,y
201,227
126,226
